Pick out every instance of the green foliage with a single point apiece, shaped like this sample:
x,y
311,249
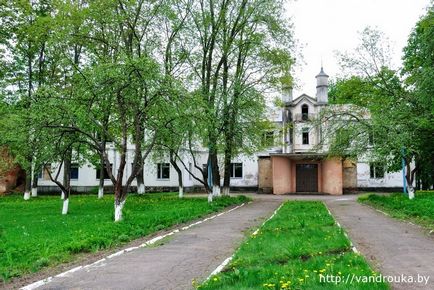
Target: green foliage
x,y
420,210
354,90
291,251
419,71
399,103
33,234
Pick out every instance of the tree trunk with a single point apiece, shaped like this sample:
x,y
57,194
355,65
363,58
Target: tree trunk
x,y
65,205
66,181
140,182
410,191
28,186
210,196
101,179
409,176
35,183
215,174
227,172
179,172
119,202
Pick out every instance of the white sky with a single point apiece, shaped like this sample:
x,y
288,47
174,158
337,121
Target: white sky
x,y
325,26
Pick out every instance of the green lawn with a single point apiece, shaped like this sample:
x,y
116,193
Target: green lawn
x,y
419,210
291,251
34,234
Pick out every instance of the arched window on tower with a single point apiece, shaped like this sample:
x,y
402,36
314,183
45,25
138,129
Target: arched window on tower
x,y
305,112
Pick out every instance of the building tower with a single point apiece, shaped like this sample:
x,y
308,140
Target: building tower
x,y
322,87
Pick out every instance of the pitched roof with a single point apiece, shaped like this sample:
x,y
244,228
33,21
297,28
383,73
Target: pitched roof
x,y
304,97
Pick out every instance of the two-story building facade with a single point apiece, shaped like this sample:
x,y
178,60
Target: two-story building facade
x,y
297,163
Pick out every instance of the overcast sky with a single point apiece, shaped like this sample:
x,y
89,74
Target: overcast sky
x,y
324,26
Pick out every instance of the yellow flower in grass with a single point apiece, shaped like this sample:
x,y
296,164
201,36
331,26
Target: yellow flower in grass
x,y
215,279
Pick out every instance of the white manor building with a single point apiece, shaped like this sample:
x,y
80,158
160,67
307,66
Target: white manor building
x,y
296,166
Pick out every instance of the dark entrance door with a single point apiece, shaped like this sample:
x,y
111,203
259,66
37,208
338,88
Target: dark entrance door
x,y
306,177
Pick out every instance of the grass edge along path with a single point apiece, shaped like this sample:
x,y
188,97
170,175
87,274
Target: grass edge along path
x,y
292,250
34,235
420,210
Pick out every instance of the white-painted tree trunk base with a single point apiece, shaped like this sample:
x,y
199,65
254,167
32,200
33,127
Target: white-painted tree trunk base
x,y
216,190
410,191
34,191
181,192
26,195
210,197
65,206
100,192
118,211
141,188
62,195
225,191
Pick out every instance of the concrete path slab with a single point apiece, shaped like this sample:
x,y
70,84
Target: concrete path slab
x,y
394,247
189,255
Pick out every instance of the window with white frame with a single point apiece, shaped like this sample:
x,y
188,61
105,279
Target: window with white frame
x,y
163,171
305,136
236,170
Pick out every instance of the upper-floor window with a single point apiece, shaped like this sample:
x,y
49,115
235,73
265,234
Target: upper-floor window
x,y
305,136
376,170
163,171
236,170
305,112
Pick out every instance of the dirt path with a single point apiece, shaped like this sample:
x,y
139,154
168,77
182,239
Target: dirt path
x,y
186,256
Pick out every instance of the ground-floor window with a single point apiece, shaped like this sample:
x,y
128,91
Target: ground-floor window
x,y
74,171
106,175
376,170
163,171
236,170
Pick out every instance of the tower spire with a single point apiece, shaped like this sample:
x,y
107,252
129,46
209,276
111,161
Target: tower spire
x,y
322,87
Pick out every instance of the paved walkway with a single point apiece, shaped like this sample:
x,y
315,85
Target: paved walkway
x,y
190,254
394,247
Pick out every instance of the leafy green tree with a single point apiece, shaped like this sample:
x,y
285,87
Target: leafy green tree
x,y
419,72
26,27
231,59
387,112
